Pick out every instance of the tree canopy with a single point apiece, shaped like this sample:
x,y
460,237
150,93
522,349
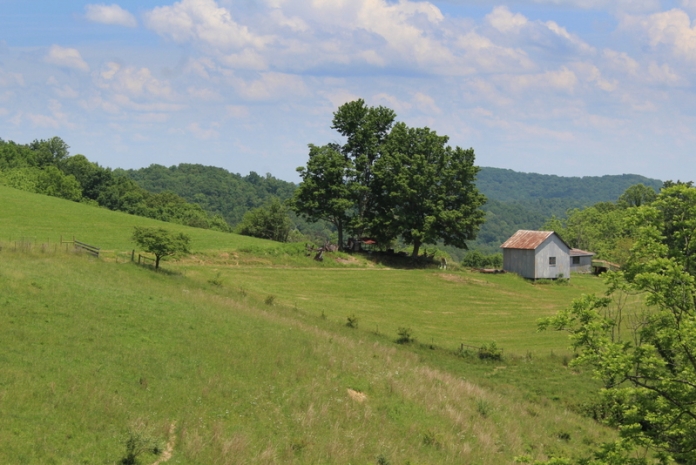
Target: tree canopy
x,y
268,222
160,242
388,181
646,354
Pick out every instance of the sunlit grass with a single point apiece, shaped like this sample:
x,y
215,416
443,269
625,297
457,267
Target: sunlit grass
x,y
90,348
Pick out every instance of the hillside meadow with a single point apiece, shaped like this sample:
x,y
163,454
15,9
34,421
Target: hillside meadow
x,y
240,353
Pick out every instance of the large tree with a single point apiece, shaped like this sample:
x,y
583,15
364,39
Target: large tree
x,y
424,190
365,129
325,190
646,355
389,180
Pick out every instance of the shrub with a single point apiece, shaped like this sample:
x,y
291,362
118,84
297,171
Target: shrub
x,y
483,408
405,336
430,439
352,321
270,299
138,443
490,352
216,281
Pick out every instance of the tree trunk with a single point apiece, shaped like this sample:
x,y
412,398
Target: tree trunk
x,y
416,248
339,228
157,259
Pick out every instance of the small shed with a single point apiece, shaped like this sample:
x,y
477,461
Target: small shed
x,y
581,261
537,255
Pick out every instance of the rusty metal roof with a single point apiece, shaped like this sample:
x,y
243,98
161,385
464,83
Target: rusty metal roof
x,y
529,240
580,253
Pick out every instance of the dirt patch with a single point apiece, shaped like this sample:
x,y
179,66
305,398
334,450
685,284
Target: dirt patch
x,y
169,448
356,396
347,261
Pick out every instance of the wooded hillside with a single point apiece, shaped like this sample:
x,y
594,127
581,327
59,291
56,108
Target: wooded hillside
x,y
515,200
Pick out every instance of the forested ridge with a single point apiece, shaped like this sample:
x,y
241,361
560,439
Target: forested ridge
x,y
515,200
212,197
526,200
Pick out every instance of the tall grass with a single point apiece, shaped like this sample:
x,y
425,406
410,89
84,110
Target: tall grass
x,y
91,351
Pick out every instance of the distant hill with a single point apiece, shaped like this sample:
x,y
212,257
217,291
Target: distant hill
x,y
217,190
515,200
526,200
512,186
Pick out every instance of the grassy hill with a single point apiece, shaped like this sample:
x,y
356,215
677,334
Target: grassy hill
x,y
239,354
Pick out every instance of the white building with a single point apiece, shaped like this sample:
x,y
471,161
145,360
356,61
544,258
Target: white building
x,y
537,255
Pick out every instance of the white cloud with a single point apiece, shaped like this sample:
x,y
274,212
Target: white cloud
x,y
672,29
246,59
571,38
294,23
110,14
689,5
563,80
203,94
202,21
270,86
426,103
237,111
200,133
57,118
9,79
519,30
132,81
620,61
390,101
664,74
502,19
590,73
488,56
338,96
66,57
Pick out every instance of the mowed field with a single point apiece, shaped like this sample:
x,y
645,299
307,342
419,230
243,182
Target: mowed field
x,y
442,308
239,353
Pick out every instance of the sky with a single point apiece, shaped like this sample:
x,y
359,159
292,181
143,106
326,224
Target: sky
x,y
565,87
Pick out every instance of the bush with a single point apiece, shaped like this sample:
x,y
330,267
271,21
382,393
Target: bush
x,y
352,321
476,259
490,352
268,222
405,336
139,442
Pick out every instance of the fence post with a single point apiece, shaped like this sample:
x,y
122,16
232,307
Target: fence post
x,y
133,255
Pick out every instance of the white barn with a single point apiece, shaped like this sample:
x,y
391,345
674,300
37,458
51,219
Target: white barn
x,y
537,255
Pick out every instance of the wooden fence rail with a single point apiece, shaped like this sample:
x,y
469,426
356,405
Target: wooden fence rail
x,y
145,259
90,249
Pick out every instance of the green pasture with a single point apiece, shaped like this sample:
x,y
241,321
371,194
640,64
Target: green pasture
x,y
239,353
93,349
442,308
46,219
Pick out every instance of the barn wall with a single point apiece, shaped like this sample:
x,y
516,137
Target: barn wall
x,y
552,247
585,265
519,261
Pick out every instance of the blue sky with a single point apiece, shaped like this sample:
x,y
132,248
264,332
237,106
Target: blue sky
x,y
573,87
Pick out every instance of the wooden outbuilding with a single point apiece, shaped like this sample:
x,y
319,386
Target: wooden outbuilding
x,y
581,261
537,255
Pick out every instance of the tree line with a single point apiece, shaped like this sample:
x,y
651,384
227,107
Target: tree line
x,y
46,167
